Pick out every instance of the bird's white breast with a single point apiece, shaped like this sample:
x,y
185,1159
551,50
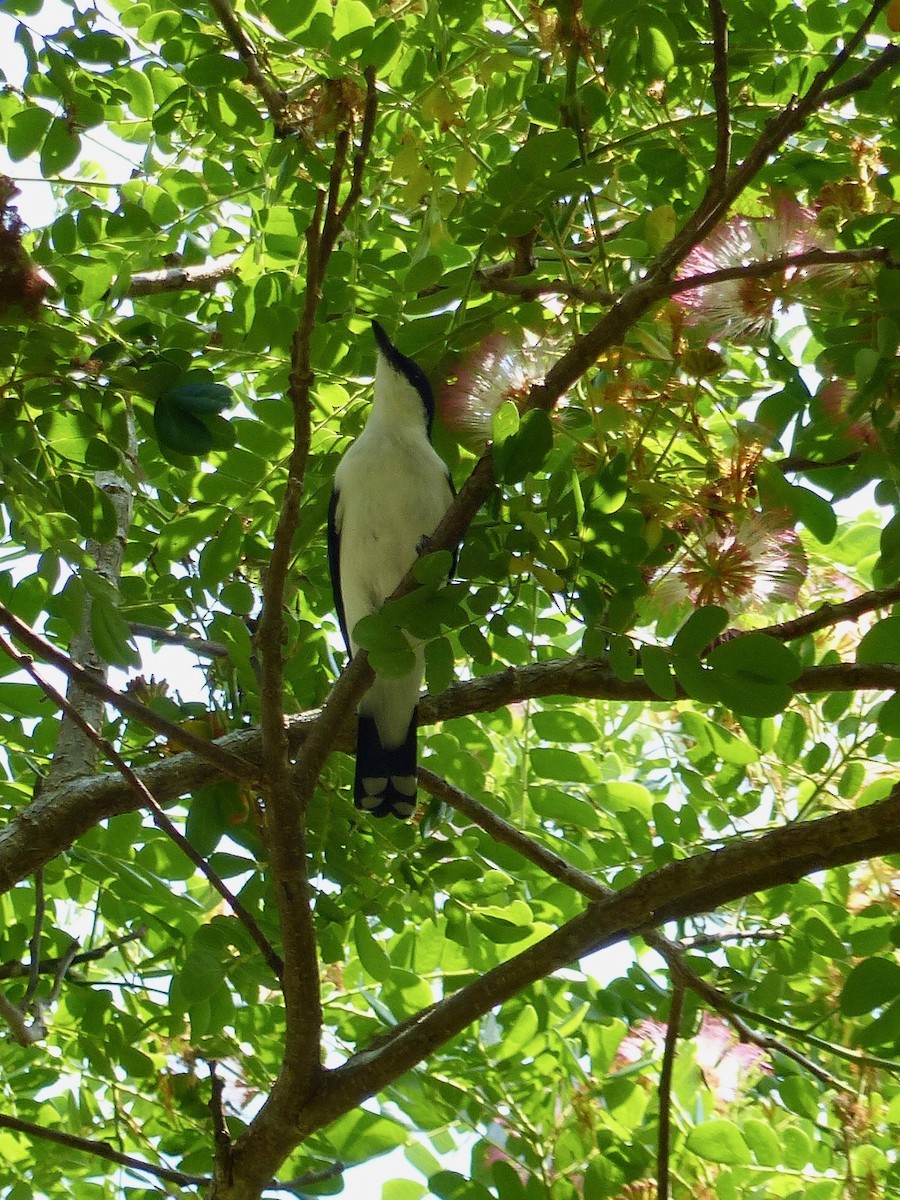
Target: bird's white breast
x,y
392,491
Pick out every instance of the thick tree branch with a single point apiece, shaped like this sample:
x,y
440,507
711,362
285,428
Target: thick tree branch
x,y
199,277
677,891
272,1133
672,952
45,829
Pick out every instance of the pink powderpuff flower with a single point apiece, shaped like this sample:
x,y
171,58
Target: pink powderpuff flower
x,y
492,372
834,397
724,1062
745,307
758,559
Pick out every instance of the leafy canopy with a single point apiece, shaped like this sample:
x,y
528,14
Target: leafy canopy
x,y
669,632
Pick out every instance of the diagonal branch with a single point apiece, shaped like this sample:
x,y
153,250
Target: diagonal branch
x,y
228,763
672,952
830,614
676,891
46,828
101,1150
148,801
275,100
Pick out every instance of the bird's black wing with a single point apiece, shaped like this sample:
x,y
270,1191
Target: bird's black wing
x,y
334,565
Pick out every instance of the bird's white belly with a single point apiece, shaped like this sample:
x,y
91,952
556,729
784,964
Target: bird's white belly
x,y
383,516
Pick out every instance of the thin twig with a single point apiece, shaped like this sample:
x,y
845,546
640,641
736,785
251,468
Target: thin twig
x,y
275,100
198,277
706,941
719,22
101,1150
62,967
15,970
664,1134
309,1177
786,262
830,614
175,637
160,819
227,762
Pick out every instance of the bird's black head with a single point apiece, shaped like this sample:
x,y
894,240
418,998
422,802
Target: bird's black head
x,y
411,371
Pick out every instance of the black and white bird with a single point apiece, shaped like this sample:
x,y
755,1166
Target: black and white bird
x,y
391,490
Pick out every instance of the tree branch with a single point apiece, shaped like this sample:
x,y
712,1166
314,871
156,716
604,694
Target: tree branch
x,y
199,277
101,1150
772,266
677,891
45,829
228,763
719,174
174,637
15,970
830,614
263,1146
275,100
664,1133
148,801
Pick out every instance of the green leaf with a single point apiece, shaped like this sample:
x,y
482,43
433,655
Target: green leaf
x,y
882,642
349,17
111,635
180,431
371,955
870,984
202,398
60,148
360,1135
622,795
758,655
524,451
611,485
220,556
719,1141
432,569
27,131
655,51
700,629
656,666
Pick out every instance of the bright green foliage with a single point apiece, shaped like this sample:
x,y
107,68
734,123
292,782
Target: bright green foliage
x,y
711,474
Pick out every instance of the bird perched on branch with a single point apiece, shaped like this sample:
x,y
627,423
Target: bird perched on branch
x,y
391,490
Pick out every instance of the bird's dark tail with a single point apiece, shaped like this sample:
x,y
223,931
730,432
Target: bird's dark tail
x,y
385,780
